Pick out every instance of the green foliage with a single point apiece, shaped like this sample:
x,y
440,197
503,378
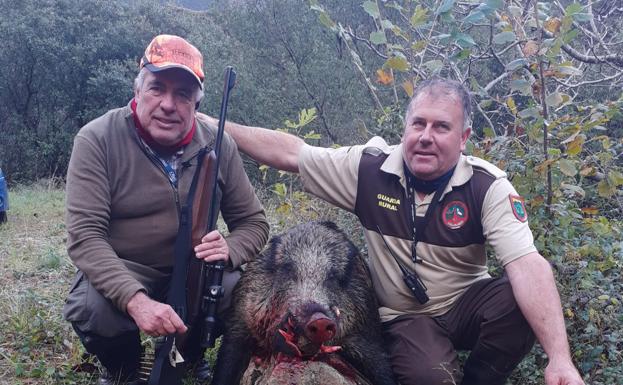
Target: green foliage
x,y
67,62
560,144
287,61
546,80
36,345
57,74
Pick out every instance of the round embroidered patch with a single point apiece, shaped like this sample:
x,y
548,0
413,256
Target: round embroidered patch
x,y
455,214
519,207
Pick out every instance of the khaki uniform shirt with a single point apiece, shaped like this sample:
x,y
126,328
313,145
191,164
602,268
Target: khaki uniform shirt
x,y
333,175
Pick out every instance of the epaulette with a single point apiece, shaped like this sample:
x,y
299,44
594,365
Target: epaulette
x,y
376,146
374,151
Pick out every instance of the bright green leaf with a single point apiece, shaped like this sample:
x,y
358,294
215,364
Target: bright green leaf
x,y
605,189
488,132
419,16
378,37
572,9
306,116
504,37
615,178
284,208
312,135
419,45
290,124
510,102
445,6
554,152
372,9
575,146
398,63
572,137
398,32
567,167
280,189
461,55
569,36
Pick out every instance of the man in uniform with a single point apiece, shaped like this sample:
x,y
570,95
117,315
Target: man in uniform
x,y
427,211
129,174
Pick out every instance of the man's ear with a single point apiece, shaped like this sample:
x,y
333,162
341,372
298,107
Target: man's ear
x,y
464,136
197,105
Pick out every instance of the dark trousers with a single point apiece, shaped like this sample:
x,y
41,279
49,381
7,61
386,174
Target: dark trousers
x,y
485,320
112,335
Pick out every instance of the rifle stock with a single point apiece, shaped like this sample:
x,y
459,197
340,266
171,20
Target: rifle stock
x,y
196,275
203,280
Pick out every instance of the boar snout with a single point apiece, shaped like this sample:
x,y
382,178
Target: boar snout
x,y
320,328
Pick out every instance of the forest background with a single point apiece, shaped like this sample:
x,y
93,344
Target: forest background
x,y
547,84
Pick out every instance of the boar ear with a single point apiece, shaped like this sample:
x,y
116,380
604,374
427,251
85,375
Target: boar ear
x,y
274,245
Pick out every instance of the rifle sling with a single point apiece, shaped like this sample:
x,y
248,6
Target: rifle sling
x,y
176,296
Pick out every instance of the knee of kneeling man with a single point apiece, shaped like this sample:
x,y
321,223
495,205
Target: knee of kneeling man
x,y
429,374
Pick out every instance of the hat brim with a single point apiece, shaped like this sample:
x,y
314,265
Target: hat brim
x,y
164,67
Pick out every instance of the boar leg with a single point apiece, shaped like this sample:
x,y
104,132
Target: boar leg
x,y
233,358
369,359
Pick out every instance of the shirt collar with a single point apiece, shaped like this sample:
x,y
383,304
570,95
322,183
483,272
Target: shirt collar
x,y
394,165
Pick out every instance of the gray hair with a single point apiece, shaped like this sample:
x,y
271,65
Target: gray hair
x,y
445,87
140,79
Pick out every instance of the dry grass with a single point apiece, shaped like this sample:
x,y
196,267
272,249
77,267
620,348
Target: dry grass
x,y
36,345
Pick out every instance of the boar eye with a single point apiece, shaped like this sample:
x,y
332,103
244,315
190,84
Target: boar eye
x,y
336,277
287,268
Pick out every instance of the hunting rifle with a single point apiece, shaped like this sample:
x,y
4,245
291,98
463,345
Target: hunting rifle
x,y
196,286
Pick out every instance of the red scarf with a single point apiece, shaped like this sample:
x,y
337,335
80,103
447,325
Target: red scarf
x,y
151,142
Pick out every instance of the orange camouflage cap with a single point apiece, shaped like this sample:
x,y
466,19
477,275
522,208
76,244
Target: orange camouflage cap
x,y
170,51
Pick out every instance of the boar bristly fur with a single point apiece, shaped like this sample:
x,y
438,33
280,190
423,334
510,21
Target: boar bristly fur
x,y
308,296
